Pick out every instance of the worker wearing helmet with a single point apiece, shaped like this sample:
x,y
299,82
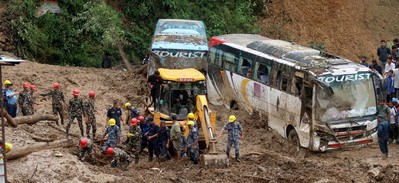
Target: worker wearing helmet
x,y
113,133
116,113
119,157
25,100
133,112
190,117
152,137
192,142
58,100
183,141
144,126
163,140
86,146
133,140
32,91
75,110
235,133
175,135
11,98
88,112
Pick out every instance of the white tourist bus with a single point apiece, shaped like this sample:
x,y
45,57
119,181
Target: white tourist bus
x,y
316,100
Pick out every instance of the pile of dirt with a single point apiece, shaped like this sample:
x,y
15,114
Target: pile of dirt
x,y
347,28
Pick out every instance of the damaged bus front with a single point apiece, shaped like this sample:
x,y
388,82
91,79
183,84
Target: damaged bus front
x,y
346,107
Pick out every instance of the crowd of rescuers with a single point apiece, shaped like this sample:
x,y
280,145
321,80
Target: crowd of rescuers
x,y
143,134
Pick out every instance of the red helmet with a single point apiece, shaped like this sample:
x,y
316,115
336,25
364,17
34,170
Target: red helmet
x,y
56,85
83,142
110,151
141,118
32,87
92,94
134,121
76,92
25,85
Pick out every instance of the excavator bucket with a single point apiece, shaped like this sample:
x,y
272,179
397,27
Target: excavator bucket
x,y
213,159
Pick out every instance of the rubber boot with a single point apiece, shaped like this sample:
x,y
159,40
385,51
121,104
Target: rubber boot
x,y
149,158
238,157
228,155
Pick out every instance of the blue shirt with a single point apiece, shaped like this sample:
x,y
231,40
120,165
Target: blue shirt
x,y
383,130
11,100
115,113
153,130
145,127
390,86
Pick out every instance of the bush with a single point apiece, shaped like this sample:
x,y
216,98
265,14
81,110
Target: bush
x,y
87,29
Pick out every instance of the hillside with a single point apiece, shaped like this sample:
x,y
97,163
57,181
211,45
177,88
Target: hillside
x,y
346,27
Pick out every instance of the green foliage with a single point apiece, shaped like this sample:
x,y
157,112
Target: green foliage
x,y
88,28
318,46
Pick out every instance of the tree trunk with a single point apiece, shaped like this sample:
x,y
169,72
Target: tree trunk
x,y
18,153
62,130
33,119
124,58
9,119
42,139
141,69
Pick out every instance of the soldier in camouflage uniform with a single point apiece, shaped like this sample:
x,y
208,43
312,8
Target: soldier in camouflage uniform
x,y
192,142
32,104
120,157
133,112
86,145
183,143
89,113
58,100
133,141
113,133
235,133
75,110
24,100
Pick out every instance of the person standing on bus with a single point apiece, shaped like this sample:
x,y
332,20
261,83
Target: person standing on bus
x,y
155,82
376,66
383,135
363,61
390,86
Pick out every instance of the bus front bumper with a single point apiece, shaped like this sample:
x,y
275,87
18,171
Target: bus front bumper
x,y
332,145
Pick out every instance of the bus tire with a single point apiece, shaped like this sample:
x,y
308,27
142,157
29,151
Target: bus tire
x,y
233,105
294,139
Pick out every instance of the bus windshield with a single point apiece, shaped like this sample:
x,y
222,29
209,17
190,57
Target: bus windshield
x,y
353,96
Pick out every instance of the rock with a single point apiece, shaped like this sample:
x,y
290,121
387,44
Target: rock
x,y
58,154
375,172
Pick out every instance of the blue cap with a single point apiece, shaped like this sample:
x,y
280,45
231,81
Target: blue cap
x,y
394,100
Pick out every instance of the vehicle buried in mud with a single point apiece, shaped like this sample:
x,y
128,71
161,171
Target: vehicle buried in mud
x,y
315,100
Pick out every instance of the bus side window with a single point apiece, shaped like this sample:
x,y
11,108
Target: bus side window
x,y
229,62
263,74
284,83
278,79
246,67
213,55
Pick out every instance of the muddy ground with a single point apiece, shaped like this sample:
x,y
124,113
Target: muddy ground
x,y
266,157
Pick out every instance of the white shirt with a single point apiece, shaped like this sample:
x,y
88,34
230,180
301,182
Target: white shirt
x,y
396,78
392,115
389,67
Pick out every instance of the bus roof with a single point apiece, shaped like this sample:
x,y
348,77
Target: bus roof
x,y
180,26
181,75
288,53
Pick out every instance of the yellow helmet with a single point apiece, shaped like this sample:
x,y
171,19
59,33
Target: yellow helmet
x,y
7,82
190,115
112,122
232,118
8,147
190,123
127,104
130,135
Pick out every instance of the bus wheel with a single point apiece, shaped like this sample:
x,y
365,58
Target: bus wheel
x,y
294,139
233,105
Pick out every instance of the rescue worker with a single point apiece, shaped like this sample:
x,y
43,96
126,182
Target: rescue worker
x,y
86,146
25,99
113,133
8,147
119,157
383,135
183,142
11,98
57,101
144,126
175,135
75,110
235,133
155,82
116,113
190,117
32,91
152,137
133,140
132,112
192,142
163,140
89,110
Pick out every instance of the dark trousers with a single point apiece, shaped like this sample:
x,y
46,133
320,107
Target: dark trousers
x,y
396,92
164,150
155,96
390,96
153,147
12,110
383,145
144,143
393,132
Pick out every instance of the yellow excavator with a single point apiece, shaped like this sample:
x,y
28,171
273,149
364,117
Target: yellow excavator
x,y
184,91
